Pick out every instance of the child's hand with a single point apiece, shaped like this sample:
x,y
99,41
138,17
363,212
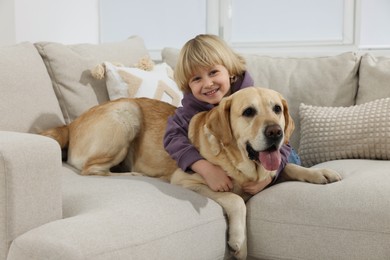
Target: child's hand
x,y
254,187
215,177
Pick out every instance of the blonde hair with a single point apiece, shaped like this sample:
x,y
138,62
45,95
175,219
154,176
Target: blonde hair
x,y
205,51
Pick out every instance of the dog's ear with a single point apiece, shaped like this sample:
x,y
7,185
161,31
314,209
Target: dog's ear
x,y
218,121
289,122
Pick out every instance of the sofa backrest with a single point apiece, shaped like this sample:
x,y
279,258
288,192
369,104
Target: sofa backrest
x,y
27,99
374,78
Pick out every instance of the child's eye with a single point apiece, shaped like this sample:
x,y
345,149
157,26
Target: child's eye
x,y
213,72
194,79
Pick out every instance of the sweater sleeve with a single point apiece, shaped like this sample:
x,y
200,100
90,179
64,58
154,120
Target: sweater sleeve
x,y
176,141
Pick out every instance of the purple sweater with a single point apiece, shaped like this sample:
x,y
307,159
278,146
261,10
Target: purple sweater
x,y
176,140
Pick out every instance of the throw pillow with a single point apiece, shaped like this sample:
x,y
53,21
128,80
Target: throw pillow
x,y
355,132
135,82
69,69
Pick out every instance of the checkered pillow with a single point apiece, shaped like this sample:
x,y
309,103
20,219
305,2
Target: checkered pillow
x,y
356,132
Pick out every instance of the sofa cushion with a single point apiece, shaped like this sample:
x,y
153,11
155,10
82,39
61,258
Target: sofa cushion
x,y
348,219
356,132
27,99
374,78
321,81
127,218
30,187
170,56
70,67
158,83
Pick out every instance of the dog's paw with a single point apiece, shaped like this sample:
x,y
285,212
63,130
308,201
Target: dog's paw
x,y
324,176
238,248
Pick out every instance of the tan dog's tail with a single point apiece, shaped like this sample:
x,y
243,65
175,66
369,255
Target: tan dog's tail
x,y
60,134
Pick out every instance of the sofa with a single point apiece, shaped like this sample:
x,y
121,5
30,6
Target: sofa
x,y
341,108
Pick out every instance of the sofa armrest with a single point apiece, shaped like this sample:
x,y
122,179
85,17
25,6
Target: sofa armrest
x,y
30,184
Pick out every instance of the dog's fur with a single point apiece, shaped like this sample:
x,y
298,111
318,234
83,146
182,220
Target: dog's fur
x,y
231,135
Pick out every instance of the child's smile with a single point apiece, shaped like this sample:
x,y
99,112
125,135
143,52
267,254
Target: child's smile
x,y
211,92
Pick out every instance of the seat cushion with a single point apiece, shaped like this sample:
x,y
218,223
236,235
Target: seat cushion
x,y
344,220
127,218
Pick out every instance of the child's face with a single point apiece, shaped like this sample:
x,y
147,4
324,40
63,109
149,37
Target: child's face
x,y
210,85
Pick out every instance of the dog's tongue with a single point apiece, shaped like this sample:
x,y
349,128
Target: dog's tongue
x,y
270,160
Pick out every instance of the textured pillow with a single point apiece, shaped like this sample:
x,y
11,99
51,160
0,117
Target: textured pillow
x,y
355,132
374,78
69,67
134,82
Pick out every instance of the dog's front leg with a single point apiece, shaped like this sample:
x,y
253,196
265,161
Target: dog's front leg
x,y
235,209
312,175
233,205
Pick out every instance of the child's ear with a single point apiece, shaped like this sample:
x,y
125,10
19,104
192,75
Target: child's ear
x,y
233,79
289,122
218,122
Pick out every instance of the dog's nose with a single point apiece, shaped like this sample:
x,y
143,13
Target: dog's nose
x,y
274,132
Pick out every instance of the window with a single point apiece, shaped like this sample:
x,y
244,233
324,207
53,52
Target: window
x,y
284,21
251,25
374,24
159,23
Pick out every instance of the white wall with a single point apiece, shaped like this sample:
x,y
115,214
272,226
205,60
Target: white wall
x,y
70,21
7,25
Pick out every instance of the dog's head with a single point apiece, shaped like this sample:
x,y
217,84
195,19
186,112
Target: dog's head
x,y
257,121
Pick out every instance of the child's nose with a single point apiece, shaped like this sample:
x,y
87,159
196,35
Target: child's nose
x,y
209,82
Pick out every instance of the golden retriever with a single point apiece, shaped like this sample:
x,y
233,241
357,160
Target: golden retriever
x,y
243,135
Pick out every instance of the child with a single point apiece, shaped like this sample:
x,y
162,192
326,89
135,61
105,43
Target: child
x,y
207,70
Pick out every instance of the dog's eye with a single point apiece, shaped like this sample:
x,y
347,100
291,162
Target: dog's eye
x,y
249,112
277,109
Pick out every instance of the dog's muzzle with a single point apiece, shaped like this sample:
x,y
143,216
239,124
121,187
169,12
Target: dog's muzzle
x,y
270,157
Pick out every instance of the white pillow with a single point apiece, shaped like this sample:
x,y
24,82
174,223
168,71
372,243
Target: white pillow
x,y
134,82
355,132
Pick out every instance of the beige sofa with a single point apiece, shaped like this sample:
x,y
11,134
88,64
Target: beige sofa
x,y
48,211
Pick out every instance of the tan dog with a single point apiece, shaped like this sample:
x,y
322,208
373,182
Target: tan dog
x,y
243,135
